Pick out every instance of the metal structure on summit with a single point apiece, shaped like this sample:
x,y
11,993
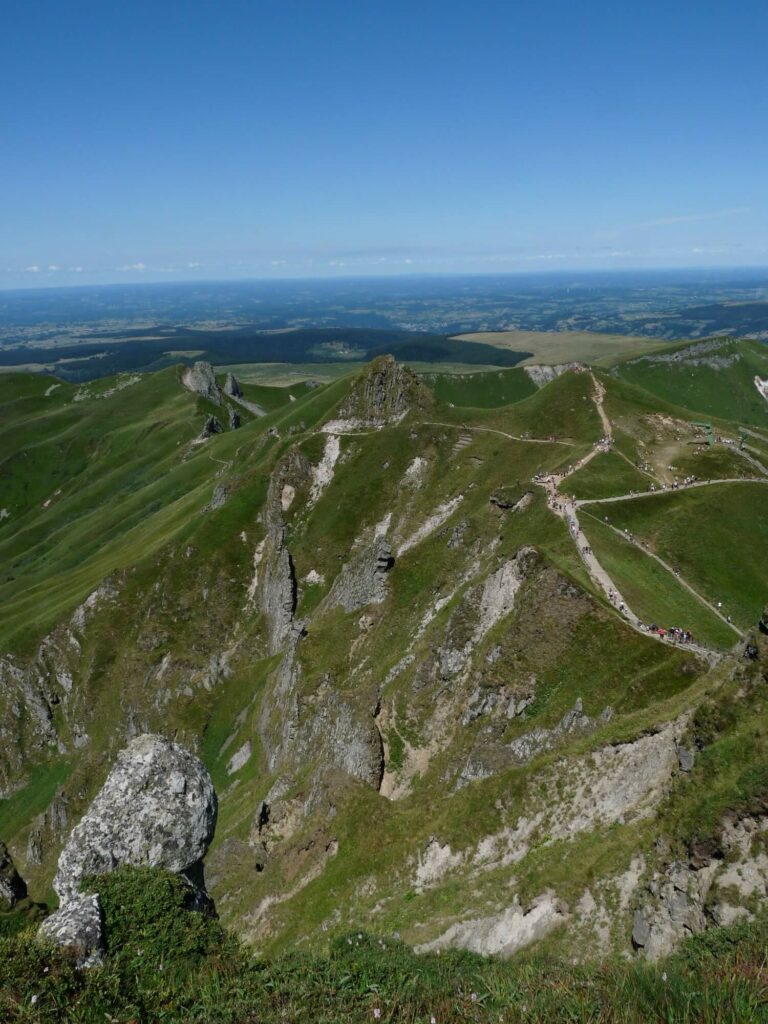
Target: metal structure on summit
x,y
708,432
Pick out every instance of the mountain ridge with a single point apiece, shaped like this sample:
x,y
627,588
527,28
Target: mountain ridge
x,y
387,625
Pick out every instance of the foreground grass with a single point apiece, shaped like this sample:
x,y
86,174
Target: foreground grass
x,y
166,964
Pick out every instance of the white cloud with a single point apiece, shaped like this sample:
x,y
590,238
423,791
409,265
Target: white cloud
x,y
689,218
34,269
75,270
133,266
54,267
194,265
552,256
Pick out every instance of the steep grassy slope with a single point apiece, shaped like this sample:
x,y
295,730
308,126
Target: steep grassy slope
x,y
606,475
653,592
418,707
713,378
717,536
482,390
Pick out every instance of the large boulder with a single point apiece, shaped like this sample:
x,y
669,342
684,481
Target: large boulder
x,y
157,808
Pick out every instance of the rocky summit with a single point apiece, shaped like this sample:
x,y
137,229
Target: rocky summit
x,y
477,660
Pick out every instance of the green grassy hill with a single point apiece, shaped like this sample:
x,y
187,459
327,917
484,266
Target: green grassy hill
x,y
482,390
715,378
717,536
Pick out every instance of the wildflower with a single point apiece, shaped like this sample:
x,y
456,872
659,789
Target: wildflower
x,y
664,976
433,1020
473,997
376,1013
34,999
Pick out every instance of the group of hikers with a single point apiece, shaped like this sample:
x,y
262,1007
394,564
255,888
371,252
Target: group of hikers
x,y
674,633
674,486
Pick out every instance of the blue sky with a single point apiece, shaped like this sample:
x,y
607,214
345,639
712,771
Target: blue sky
x,y
183,140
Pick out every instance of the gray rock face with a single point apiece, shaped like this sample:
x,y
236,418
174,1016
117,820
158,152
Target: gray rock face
x,y
232,386
277,586
218,499
78,928
703,353
530,744
200,379
157,808
363,580
349,743
685,758
278,596
212,426
43,699
12,886
489,756
674,910
542,375
384,393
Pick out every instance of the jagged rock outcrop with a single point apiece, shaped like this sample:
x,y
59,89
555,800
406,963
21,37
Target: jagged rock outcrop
x,y
12,886
722,882
383,394
218,499
482,607
212,426
49,828
714,354
489,756
201,380
43,707
542,375
675,910
363,580
157,808
276,587
232,386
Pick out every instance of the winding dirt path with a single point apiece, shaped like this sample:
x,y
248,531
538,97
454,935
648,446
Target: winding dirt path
x,y
567,510
492,430
670,490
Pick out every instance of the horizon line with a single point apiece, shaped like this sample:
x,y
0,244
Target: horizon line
x,y
407,275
